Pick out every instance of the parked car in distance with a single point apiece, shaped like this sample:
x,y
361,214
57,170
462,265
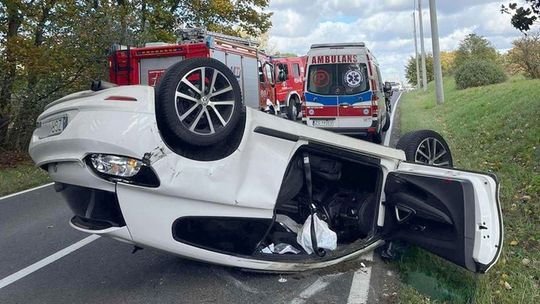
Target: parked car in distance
x,y
396,86
187,168
344,91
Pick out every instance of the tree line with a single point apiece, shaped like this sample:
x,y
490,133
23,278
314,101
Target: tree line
x,y
49,48
476,57
523,58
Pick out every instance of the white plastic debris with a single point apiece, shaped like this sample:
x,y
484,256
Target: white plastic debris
x,y
326,238
288,223
283,248
268,249
280,248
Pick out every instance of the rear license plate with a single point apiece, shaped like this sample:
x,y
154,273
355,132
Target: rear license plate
x,y
324,122
55,126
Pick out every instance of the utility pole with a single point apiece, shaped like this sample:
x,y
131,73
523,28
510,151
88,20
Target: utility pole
x,y
416,53
422,49
436,52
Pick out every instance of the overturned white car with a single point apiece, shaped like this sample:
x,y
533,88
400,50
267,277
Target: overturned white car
x,y
188,169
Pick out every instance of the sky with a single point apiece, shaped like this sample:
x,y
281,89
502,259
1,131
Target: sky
x,y
386,26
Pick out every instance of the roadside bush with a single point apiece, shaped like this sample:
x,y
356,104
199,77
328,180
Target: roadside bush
x,y
477,73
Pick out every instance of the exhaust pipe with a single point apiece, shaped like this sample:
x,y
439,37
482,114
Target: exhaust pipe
x,y
98,85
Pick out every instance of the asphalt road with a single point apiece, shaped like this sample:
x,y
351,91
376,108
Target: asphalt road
x,y
34,226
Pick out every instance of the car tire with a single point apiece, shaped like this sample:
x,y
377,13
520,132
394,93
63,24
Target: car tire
x,y
426,147
194,112
386,124
389,107
377,137
292,109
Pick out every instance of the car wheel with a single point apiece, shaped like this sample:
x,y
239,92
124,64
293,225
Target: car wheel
x,y
377,137
292,109
271,110
427,147
198,102
386,124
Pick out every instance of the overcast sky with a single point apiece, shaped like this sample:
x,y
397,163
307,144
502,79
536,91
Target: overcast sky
x,y
385,26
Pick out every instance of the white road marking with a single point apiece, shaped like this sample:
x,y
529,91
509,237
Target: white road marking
x,y
360,286
315,288
25,191
362,277
389,132
361,282
227,276
46,261
367,257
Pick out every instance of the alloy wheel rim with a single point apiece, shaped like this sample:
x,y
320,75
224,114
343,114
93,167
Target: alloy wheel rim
x,y
432,152
204,101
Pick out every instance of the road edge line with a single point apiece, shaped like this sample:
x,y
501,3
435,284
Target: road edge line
x,y
388,135
25,191
46,261
361,281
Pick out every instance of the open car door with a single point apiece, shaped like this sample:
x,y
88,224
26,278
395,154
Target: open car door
x,y
451,213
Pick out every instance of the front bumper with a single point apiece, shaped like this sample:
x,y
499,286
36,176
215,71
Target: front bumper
x,y
350,131
363,131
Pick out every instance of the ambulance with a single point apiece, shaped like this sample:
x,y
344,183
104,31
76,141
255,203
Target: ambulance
x,y
344,91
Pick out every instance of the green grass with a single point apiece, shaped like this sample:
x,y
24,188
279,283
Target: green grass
x,y
21,177
493,128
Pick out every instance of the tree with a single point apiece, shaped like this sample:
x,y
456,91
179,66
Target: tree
x,y
475,47
50,48
10,11
225,16
477,73
526,54
410,69
523,17
448,61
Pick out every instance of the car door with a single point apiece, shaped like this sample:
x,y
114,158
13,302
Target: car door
x,y
282,88
354,102
452,213
378,91
266,85
321,102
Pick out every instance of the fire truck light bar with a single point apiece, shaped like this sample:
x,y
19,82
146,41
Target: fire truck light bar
x,y
159,51
338,45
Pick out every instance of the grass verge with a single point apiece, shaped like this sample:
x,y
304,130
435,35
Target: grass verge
x,y
20,177
493,128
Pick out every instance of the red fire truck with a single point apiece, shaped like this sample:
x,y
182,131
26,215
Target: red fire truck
x,y
263,87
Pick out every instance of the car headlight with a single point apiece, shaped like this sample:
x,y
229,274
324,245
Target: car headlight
x,y
117,168
116,165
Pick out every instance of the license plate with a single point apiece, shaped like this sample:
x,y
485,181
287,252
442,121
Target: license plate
x,y
55,126
323,122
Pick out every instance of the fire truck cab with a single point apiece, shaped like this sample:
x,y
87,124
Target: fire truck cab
x,y
145,65
289,84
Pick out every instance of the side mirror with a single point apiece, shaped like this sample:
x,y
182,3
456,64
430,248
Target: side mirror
x,y
282,76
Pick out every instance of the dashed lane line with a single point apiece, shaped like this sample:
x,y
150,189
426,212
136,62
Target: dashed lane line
x,y
46,261
316,287
25,191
